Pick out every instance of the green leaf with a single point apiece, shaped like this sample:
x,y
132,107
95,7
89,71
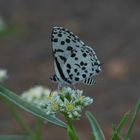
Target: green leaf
x,y
115,136
29,107
116,133
96,130
133,120
38,129
122,122
14,137
19,119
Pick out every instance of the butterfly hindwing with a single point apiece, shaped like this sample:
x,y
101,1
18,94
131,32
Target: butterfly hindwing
x,y
81,65
89,81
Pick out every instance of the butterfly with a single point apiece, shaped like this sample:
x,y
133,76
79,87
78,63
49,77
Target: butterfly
x,y
74,61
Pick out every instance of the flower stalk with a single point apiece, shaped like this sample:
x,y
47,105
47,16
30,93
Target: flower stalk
x,y
71,130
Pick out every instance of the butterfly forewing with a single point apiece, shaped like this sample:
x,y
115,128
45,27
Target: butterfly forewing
x,y
64,43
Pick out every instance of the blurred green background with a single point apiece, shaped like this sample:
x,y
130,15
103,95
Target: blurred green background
x,y
112,28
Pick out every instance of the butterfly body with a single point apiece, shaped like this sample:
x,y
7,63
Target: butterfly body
x,y
74,61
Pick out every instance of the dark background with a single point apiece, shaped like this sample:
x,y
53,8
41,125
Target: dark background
x,y
112,28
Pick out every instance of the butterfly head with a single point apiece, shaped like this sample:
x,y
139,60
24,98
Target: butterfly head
x,y
54,79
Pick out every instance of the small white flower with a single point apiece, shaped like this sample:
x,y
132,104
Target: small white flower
x,y
3,75
73,102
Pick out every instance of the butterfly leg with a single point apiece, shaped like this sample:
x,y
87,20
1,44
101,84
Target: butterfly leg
x,y
73,86
59,86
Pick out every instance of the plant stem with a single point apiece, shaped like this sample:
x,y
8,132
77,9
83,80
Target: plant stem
x,y
38,130
71,130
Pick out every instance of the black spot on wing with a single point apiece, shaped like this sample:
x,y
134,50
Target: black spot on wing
x,y
96,63
71,76
84,54
69,66
63,29
76,79
63,58
91,74
81,63
77,65
97,71
59,35
86,71
74,41
68,71
78,73
75,70
73,55
83,68
62,42
67,40
59,50
84,75
54,32
55,40
69,48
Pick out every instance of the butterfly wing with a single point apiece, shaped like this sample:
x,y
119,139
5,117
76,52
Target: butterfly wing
x,y
73,60
81,65
89,81
64,44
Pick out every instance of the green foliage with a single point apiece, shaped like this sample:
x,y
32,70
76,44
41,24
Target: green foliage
x,y
97,133
13,29
71,130
18,118
29,107
14,137
116,133
133,120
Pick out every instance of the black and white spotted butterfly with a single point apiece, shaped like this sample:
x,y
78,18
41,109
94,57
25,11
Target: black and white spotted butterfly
x,y
73,60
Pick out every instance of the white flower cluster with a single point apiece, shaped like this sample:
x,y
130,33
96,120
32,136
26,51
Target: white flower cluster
x,y
3,75
67,101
